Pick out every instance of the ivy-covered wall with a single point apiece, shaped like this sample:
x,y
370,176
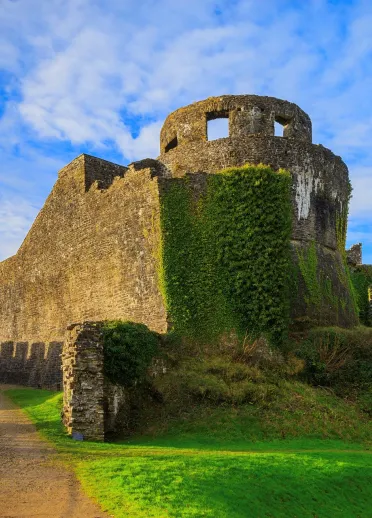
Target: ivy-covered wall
x,y
321,288
361,277
225,260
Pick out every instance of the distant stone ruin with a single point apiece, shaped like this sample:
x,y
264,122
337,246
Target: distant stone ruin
x,y
354,255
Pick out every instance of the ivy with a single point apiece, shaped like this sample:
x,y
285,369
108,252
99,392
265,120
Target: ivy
x,y
341,227
226,254
361,278
308,263
320,290
190,277
341,232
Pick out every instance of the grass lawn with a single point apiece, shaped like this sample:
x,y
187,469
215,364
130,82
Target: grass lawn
x,y
188,475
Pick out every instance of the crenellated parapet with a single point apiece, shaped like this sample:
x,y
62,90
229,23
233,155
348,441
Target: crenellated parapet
x,y
320,179
247,115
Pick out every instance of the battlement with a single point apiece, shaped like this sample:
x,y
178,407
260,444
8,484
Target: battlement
x,y
247,115
33,364
89,169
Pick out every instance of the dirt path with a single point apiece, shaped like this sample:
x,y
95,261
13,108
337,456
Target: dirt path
x,y
31,484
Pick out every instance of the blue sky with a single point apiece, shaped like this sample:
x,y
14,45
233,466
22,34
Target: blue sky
x,y
100,76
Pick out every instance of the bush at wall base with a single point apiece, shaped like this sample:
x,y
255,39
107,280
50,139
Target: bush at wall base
x,y
128,350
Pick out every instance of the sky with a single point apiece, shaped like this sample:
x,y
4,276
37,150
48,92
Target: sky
x,y
100,76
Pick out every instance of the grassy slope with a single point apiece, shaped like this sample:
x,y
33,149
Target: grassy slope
x,y
211,467
297,412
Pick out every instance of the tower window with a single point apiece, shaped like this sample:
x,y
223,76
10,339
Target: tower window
x,y
278,129
217,125
280,125
171,145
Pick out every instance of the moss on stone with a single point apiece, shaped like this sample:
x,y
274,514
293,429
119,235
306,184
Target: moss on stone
x,y
323,296
361,278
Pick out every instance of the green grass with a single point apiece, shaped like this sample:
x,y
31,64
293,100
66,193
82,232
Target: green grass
x,y
194,470
297,412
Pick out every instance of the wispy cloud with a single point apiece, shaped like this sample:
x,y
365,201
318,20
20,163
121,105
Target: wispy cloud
x,y
16,217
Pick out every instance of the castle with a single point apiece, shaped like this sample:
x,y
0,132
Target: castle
x,y
93,251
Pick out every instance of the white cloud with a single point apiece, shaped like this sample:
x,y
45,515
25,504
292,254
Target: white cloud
x,y
361,201
146,145
97,65
90,88
16,217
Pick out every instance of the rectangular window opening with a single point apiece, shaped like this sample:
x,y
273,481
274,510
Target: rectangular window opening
x,y
278,129
279,126
217,125
171,145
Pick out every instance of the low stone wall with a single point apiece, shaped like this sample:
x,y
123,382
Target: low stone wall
x,y
92,406
34,365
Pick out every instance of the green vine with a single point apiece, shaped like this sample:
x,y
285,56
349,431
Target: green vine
x,y
361,278
225,254
320,290
341,223
308,263
341,231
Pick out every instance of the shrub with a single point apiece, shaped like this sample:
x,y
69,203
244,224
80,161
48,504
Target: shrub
x,y
340,358
128,350
216,381
274,362
365,401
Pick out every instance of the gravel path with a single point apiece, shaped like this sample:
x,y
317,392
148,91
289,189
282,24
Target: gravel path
x,y
33,484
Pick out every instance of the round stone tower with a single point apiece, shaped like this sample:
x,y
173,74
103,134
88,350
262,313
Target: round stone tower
x,y
320,187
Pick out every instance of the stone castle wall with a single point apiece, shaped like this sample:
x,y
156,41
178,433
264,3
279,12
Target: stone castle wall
x,y
320,179
34,365
354,255
89,255
83,381
92,253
